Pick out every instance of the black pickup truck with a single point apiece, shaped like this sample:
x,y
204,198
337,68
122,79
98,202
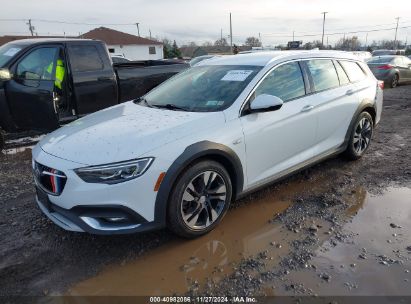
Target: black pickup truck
x,y
45,83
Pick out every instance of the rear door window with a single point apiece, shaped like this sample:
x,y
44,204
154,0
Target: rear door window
x,y
353,70
285,82
85,58
323,74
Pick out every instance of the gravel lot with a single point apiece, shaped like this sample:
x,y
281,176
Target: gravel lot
x,y
309,234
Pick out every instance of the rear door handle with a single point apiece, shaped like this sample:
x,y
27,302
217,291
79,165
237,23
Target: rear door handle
x,y
307,108
349,92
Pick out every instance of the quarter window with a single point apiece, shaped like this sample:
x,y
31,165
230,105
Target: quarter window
x,y
85,58
354,72
323,74
285,82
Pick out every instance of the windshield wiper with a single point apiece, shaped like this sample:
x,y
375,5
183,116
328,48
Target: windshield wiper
x,y
169,106
141,100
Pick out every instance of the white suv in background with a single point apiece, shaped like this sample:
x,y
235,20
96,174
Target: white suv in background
x,y
179,156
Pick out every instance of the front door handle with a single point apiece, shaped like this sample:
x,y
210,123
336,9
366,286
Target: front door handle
x,y
307,108
349,92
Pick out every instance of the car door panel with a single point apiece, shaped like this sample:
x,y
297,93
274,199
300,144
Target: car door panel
x,y
336,104
278,140
94,81
30,92
335,109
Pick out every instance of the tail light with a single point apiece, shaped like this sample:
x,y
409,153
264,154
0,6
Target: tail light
x,y
385,67
381,84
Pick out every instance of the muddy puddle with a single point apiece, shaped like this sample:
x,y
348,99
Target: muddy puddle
x,y
172,268
374,260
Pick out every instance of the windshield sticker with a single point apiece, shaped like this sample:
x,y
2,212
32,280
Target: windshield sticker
x,y
236,75
215,103
11,52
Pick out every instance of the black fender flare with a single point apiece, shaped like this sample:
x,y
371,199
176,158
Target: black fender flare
x,y
366,103
193,152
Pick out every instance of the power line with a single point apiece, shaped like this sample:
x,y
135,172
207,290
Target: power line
x,y
67,22
338,33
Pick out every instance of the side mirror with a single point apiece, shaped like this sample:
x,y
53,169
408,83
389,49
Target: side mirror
x,y
265,103
5,75
29,79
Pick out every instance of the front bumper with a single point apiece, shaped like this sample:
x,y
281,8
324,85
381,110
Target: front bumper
x,y
92,219
98,208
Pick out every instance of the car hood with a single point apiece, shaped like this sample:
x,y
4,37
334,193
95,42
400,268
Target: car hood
x,y
124,132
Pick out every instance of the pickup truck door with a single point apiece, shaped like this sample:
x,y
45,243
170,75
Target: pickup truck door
x,y
94,80
30,92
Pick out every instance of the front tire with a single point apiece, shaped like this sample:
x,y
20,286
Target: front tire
x,y
199,199
360,138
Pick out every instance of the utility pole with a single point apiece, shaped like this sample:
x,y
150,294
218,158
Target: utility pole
x,y
396,29
293,36
259,37
138,29
31,28
366,41
150,33
231,36
221,35
322,39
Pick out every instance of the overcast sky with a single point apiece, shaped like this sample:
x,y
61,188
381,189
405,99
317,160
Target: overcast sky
x,y
200,21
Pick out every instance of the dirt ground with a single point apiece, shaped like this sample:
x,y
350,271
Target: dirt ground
x,y
333,229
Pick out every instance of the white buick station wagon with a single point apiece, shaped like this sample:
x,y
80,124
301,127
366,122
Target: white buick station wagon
x,y
179,156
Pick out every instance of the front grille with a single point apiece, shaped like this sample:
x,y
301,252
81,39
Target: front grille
x,y
49,179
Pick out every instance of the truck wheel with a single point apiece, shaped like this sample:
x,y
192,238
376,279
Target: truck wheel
x,y
199,199
360,138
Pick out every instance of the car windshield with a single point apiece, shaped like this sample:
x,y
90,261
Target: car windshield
x,y
7,51
196,60
379,60
207,88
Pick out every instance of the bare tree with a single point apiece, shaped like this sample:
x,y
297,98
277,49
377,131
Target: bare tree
x,y
252,41
348,44
313,44
221,42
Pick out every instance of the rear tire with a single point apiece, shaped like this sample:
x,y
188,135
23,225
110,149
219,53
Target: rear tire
x,y
199,199
360,138
394,81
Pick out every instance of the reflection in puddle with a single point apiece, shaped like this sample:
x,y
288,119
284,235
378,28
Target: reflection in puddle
x,y
246,231
181,263
174,267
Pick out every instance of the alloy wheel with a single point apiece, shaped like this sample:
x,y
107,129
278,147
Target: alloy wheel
x,y
394,82
362,135
203,200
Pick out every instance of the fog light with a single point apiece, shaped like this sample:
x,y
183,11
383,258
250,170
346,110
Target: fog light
x,y
117,219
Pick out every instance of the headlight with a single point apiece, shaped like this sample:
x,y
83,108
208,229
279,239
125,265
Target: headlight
x,y
114,173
